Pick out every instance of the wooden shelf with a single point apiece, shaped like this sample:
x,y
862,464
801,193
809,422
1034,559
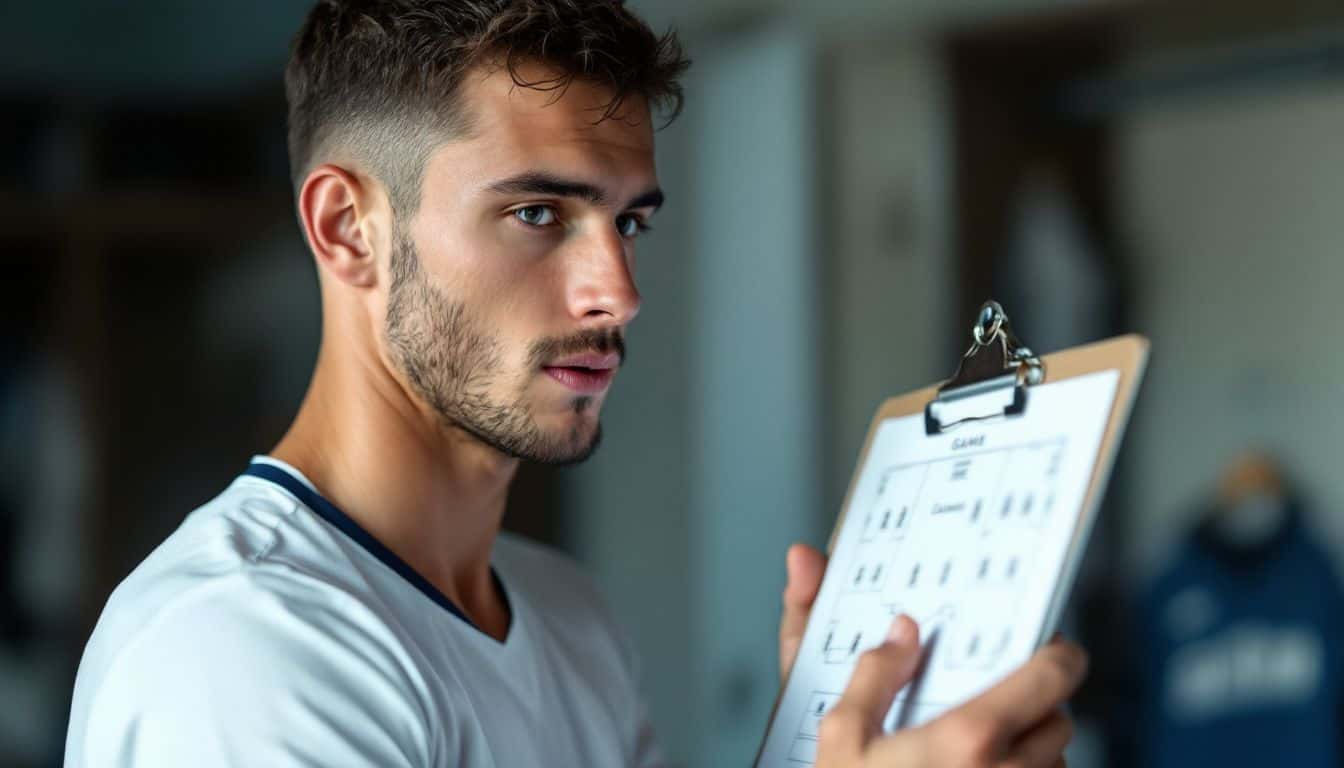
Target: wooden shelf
x,y
137,214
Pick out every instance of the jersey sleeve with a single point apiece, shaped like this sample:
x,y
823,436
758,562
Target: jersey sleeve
x,y
243,672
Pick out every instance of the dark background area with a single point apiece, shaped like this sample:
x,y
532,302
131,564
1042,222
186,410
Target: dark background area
x,y
1171,168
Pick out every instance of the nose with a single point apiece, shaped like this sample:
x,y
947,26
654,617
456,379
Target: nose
x,y
601,281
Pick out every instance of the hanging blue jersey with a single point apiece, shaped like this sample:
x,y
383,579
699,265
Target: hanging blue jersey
x,y
1242,655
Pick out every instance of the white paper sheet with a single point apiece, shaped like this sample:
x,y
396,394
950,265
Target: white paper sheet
x,y
970,533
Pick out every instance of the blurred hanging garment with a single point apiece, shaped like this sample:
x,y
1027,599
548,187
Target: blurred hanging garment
x,y
1052,271
1241,640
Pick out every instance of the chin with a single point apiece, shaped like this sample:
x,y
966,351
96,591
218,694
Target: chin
x,y
577,416
572,446
579,430
567,435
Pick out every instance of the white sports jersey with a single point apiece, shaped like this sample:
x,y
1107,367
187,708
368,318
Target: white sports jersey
x,y
270,629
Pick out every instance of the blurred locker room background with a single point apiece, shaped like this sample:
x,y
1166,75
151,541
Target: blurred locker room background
x,y
850,179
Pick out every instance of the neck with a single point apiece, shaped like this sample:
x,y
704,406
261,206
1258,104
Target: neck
x,y
432,494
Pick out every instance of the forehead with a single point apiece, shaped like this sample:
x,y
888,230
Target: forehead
x,y
516,129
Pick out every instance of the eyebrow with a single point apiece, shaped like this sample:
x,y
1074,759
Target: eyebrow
x,y
540,183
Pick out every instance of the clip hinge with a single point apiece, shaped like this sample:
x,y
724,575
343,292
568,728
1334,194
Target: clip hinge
x,y
997,360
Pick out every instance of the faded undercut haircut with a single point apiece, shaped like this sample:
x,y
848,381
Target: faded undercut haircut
x,y
379,80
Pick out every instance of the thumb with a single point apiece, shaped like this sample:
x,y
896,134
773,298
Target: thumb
x,y
881,673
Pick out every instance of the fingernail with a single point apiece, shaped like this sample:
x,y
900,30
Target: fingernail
x,y
899,632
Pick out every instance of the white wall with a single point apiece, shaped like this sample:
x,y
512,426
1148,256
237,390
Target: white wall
x,y
1236,231
756,404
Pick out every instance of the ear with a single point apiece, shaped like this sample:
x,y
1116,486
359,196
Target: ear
x,y
334,205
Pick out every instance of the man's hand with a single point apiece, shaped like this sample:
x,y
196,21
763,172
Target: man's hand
x,y
805,566
1018,722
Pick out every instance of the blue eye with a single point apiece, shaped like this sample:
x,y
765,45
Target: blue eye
x,y
536,215
630,225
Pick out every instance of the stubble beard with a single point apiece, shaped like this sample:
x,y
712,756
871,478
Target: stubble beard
x,y
452,364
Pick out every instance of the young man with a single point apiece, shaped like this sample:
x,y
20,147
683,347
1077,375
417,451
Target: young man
x,y
471,177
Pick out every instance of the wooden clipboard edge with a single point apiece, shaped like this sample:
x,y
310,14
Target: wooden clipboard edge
x,y
1127,354
1131,354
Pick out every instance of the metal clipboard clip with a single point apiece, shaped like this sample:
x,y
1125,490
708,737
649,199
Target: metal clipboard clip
x,y
996,361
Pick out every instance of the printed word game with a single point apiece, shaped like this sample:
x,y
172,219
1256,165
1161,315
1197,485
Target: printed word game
x,y
975,533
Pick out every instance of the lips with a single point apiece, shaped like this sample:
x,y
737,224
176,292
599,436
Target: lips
x,y
585,374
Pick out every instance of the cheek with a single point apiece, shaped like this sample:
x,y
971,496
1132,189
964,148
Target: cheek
x,y
516,318
522,294
474,270
510,282
502,305
497,260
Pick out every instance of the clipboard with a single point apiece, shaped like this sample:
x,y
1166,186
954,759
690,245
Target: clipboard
x,y
996,383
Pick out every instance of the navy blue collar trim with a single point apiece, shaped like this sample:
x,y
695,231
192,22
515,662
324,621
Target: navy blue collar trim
x,y
343,522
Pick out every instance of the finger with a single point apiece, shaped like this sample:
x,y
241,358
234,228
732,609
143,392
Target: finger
x,y
880,673
805,567
1036,688
853,721
1043,746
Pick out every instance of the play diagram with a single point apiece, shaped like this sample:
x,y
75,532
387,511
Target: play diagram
x,y
951,542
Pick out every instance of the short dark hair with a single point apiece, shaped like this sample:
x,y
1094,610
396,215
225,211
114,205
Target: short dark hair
x,y
380,78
